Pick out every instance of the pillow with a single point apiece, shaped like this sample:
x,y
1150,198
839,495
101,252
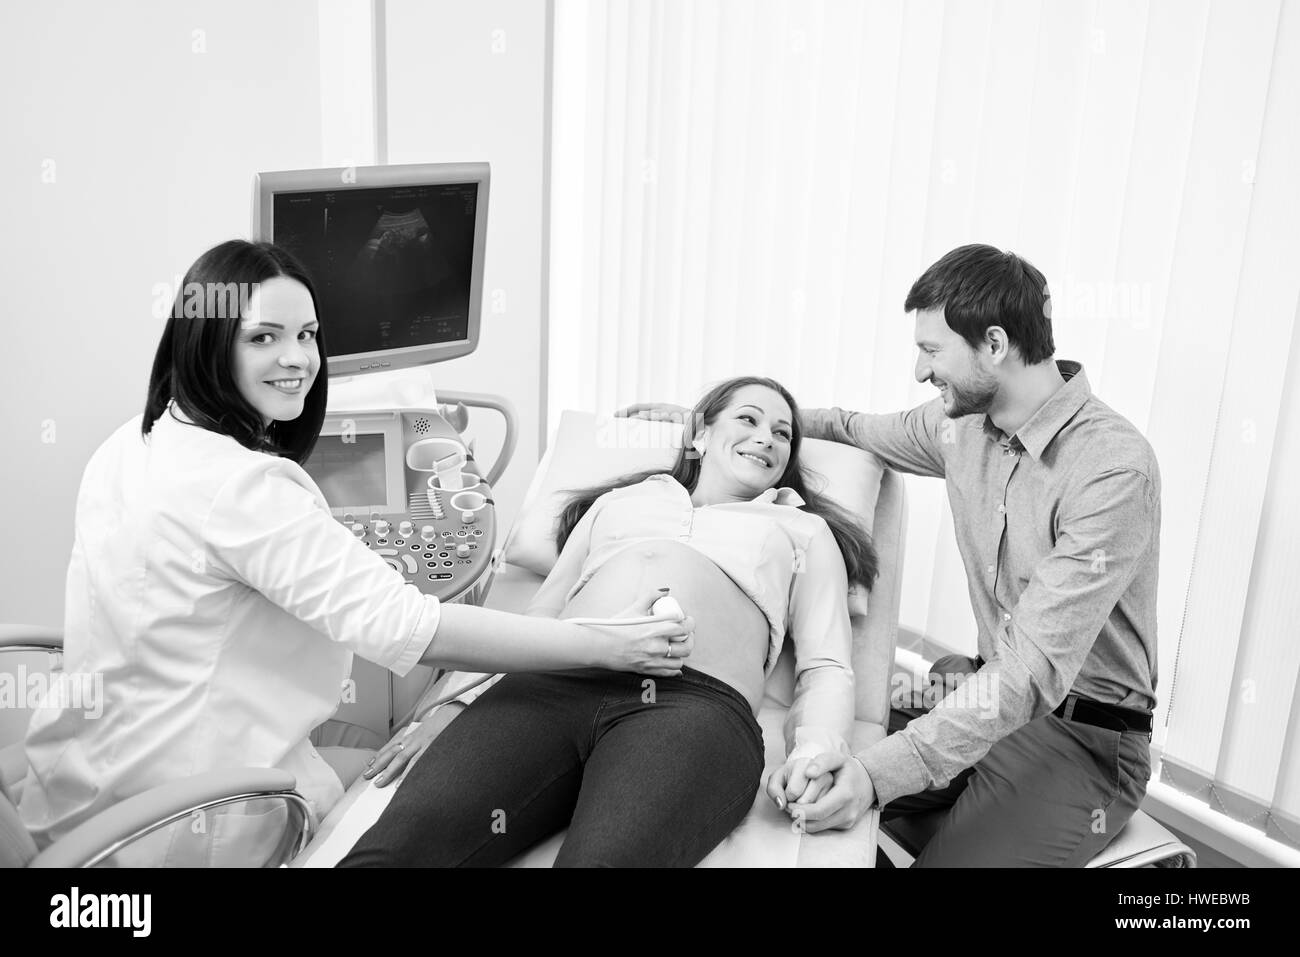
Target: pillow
x,y
588,450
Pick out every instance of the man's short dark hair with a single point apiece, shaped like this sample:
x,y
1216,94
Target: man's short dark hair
x,y
980,286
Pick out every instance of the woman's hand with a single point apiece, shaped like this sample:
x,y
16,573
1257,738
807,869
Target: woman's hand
x,y
655,412
657,648
387,766
790,784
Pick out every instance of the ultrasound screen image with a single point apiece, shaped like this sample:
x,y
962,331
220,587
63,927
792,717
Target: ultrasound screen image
x,y
391,265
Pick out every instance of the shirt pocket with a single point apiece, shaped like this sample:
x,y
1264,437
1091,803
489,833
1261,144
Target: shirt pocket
x,y
629,518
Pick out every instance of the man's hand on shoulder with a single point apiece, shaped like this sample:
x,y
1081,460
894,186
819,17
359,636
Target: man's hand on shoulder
x,y
654,411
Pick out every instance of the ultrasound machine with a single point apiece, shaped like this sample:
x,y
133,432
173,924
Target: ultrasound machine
x,y
396,255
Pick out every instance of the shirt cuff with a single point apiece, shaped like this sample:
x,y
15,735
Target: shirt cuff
x,y
895,768
812,741
421,637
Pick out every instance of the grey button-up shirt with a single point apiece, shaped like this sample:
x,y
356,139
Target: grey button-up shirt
x,y
1059,529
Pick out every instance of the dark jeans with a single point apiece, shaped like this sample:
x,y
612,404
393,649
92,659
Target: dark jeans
x,y
643,772
1053,793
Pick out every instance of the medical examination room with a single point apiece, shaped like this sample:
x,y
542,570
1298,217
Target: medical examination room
x,y
652,433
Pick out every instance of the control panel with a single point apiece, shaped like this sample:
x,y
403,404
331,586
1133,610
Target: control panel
x,y
404,484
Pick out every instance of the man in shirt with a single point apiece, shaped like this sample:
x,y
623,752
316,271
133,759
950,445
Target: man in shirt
x,y
1041,753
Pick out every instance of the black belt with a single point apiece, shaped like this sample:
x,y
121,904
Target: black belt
x,y
1112,716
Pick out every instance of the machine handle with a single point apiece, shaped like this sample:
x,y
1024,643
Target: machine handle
x,y
499,404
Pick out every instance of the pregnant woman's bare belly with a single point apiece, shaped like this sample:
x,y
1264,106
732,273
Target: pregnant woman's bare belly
x,y
731,634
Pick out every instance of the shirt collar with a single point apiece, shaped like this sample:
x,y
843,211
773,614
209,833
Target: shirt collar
x,y
1036,434
772,496
784,495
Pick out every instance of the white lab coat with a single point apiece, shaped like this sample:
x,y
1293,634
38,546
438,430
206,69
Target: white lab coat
x,y
219,603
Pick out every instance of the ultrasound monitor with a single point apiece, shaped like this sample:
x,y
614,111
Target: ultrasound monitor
x,y
395,252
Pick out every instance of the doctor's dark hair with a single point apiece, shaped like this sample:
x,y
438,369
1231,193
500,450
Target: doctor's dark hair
x,y
194,363
853,541
980,286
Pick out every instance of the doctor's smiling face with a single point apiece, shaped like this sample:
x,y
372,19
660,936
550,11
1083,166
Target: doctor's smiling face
x,y
275,354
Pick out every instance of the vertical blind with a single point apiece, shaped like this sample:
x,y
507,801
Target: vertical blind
x,y
743,186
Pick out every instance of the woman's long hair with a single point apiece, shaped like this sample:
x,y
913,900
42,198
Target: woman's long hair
x,y
195,357
853,540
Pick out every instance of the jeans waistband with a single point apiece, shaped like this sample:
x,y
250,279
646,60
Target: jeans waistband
x,y
708,681
631,679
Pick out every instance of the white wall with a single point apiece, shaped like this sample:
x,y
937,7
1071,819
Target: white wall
x,y
131,138
149,126
466,82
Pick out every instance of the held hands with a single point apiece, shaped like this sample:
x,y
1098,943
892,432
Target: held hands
x,y
658,647
838,808
790,784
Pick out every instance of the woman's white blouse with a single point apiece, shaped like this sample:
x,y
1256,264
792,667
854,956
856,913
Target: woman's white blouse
x,y
785,559
217,604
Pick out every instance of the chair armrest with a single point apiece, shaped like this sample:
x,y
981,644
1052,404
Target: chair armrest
x,y
111,830
30,638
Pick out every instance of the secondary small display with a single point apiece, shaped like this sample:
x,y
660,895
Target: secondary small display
x,y
350,474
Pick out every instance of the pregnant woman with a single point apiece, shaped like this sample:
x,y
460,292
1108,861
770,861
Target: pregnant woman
x,y
656,772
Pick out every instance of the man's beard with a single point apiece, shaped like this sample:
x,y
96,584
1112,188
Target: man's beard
x,y
973,397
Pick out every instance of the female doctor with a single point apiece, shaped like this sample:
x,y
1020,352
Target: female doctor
x,y
216,601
